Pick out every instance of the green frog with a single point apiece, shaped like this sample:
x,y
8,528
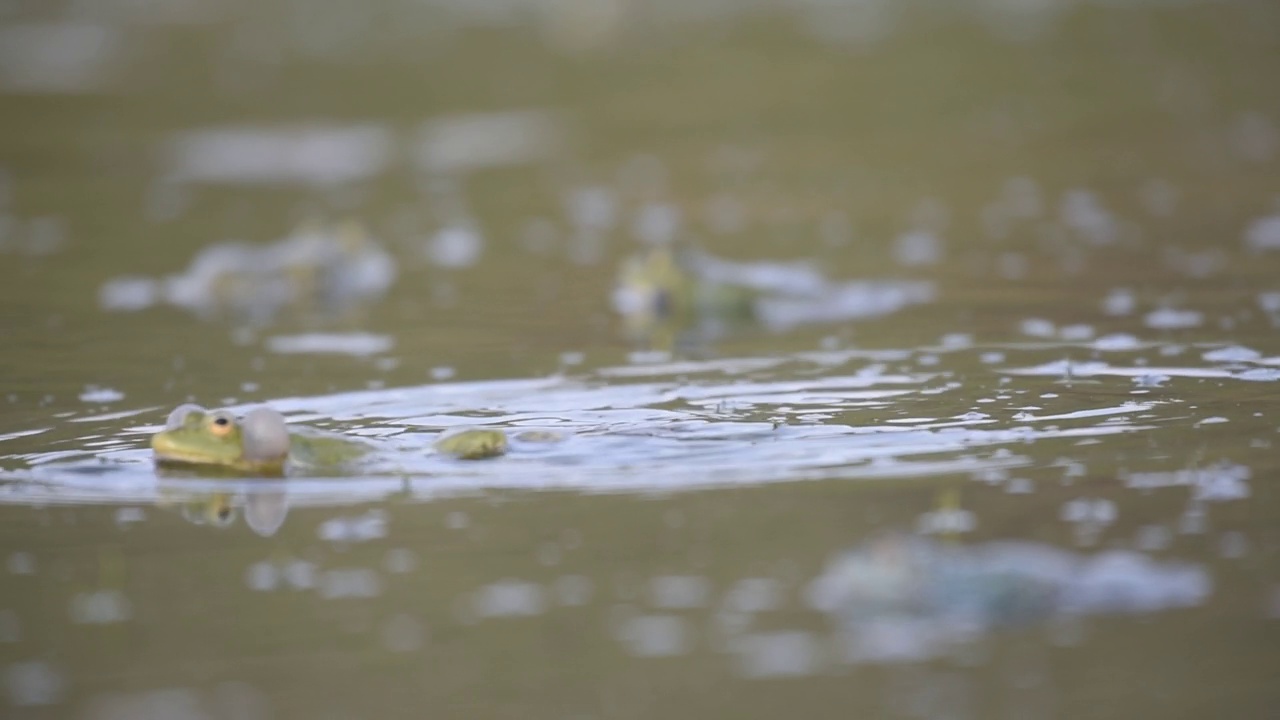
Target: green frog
x,y
673,283
262,443
259,442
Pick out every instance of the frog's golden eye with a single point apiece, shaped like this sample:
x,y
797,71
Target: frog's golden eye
x,y
221,425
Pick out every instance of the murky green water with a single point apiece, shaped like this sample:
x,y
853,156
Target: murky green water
x,y
1014,458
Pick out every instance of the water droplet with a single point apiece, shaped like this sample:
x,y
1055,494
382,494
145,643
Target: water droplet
x,y
655,635
300,574
778,654
403,633
100,607
10,627
400,561
1152,538
129,515
509,598
350,583
1233,545
573,590
22,563
262,576
679,591
1038,327
33,683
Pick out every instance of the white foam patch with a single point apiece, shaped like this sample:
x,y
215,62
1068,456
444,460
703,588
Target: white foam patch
x,y
1171,319
287,154
359,344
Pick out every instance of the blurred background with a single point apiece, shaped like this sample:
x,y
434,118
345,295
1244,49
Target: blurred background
x,y
1059,214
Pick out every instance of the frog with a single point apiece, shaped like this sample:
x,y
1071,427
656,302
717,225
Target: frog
x,y
261,443
677,297
671,283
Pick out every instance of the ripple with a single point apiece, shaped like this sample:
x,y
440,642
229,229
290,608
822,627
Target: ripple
x,y
848,415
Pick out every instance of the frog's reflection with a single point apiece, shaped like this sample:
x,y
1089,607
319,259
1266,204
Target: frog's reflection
x,y
264,510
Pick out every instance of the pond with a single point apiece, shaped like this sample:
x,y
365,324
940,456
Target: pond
x,y
859,359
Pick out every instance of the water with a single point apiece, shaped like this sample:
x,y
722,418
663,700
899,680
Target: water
x,y
998,443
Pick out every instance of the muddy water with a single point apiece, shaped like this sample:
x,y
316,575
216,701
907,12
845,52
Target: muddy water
x,y
1021,465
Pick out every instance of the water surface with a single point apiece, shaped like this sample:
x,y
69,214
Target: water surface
x,y
1021,468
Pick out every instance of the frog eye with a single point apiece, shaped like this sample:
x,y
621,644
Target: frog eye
x,y
181,415
220,512
221,424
